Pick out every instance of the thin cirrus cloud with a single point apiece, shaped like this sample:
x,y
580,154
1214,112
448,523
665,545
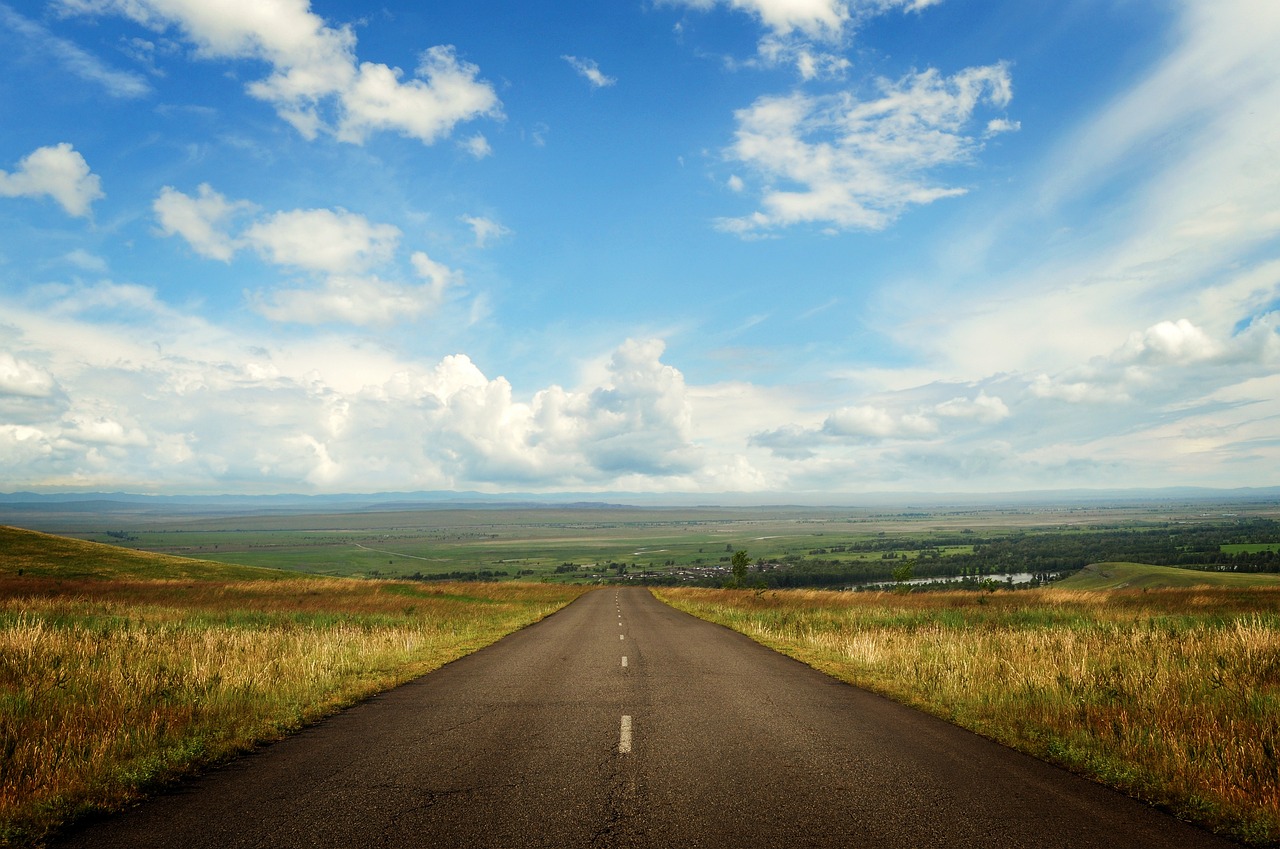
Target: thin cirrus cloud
x,y
344,253
72,58
590,71
486,230
317,83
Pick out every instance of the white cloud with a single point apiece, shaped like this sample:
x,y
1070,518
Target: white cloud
x,y
103,431
984,408
199,408
201,220
810,63
86,261
347,257
477,146
59,172
820,19
859,164
361,299
122,391
876,423
1160,204
367,300
334,241
22,378
1169,342
316,82
485,229
1169,360
446,93
794,27
590,71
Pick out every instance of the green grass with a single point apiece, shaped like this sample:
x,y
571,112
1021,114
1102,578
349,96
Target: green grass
x,y
38,555
1107,576
1171,695
121,670
1249,547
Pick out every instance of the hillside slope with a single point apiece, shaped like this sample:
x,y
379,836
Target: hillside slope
x,y
36,554
1117,575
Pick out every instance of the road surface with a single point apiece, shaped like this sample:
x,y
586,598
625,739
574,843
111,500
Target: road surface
x,y
620,722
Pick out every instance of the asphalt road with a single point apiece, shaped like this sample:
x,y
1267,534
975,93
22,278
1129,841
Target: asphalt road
x,y
619,722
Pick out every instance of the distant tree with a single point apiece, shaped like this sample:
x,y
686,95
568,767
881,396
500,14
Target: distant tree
x,y
902,573
738,563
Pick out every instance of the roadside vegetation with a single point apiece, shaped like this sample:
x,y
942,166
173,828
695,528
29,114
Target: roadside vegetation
x,y
120,671
1171,695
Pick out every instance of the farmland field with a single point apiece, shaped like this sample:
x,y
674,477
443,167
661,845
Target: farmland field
x,y
789,546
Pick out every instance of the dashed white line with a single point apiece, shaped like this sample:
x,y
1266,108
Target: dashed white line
x,y
624,736
624,661
622,636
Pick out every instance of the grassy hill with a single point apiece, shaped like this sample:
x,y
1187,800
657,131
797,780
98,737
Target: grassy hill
x,y
1115,575
34,554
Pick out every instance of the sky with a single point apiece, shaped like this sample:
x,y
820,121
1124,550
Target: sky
x,y
652,246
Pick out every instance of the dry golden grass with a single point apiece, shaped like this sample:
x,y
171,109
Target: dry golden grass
x,y
1170,695
108,688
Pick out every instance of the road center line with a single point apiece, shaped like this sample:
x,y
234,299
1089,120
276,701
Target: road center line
x,y
624,736
622,636
624,661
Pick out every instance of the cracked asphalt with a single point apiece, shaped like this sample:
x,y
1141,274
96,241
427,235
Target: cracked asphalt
x,y
732,746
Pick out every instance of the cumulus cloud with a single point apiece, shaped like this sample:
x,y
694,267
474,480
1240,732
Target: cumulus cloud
x,y
316,81
858,164
589,71
1173,342
59,172
346,256
1171,359
201,407
983,408
22,378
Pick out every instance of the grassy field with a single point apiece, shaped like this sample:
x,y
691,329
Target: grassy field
x,y
535,541
120,671
1171,695
1115,576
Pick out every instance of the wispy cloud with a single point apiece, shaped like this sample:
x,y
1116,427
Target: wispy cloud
x,y
590,71
485,229
72,58
857,164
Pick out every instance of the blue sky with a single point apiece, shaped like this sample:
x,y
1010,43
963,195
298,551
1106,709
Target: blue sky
x,y
695,246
